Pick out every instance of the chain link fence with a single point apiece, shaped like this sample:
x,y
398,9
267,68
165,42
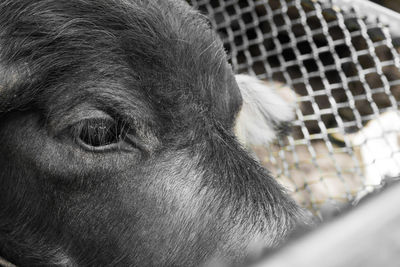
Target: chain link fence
x,y
344,67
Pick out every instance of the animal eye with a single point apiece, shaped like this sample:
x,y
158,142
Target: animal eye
x,y
100,134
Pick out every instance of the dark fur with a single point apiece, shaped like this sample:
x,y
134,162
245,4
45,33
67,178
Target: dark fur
x,y
186,195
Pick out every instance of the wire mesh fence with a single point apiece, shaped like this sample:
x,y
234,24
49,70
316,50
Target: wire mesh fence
x,y
345,70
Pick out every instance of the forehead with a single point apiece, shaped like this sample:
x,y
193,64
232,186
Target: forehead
x,y
158,55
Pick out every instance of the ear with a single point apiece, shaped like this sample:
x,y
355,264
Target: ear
x,y
266,113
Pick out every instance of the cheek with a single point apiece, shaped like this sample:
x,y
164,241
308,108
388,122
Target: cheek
x,y
165,200
161,190
174,212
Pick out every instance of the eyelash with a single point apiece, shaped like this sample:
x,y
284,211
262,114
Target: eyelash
x,y
104,134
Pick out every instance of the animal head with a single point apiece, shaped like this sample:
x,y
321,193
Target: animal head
x,y
117,144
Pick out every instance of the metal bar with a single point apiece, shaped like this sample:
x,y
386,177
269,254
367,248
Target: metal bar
x,y
372,11
368,236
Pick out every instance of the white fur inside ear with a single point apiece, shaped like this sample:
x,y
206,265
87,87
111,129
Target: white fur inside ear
x,y
263,111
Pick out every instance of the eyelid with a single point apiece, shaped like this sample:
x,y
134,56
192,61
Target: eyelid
x,y
135,141
106,148
90,115
75,116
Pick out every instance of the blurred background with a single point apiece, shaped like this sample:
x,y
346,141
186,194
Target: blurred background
x,y
342,64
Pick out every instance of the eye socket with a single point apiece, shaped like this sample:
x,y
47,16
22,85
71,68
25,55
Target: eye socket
x,y
102,134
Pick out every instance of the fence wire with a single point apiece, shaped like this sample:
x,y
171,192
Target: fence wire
x,y
345,71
